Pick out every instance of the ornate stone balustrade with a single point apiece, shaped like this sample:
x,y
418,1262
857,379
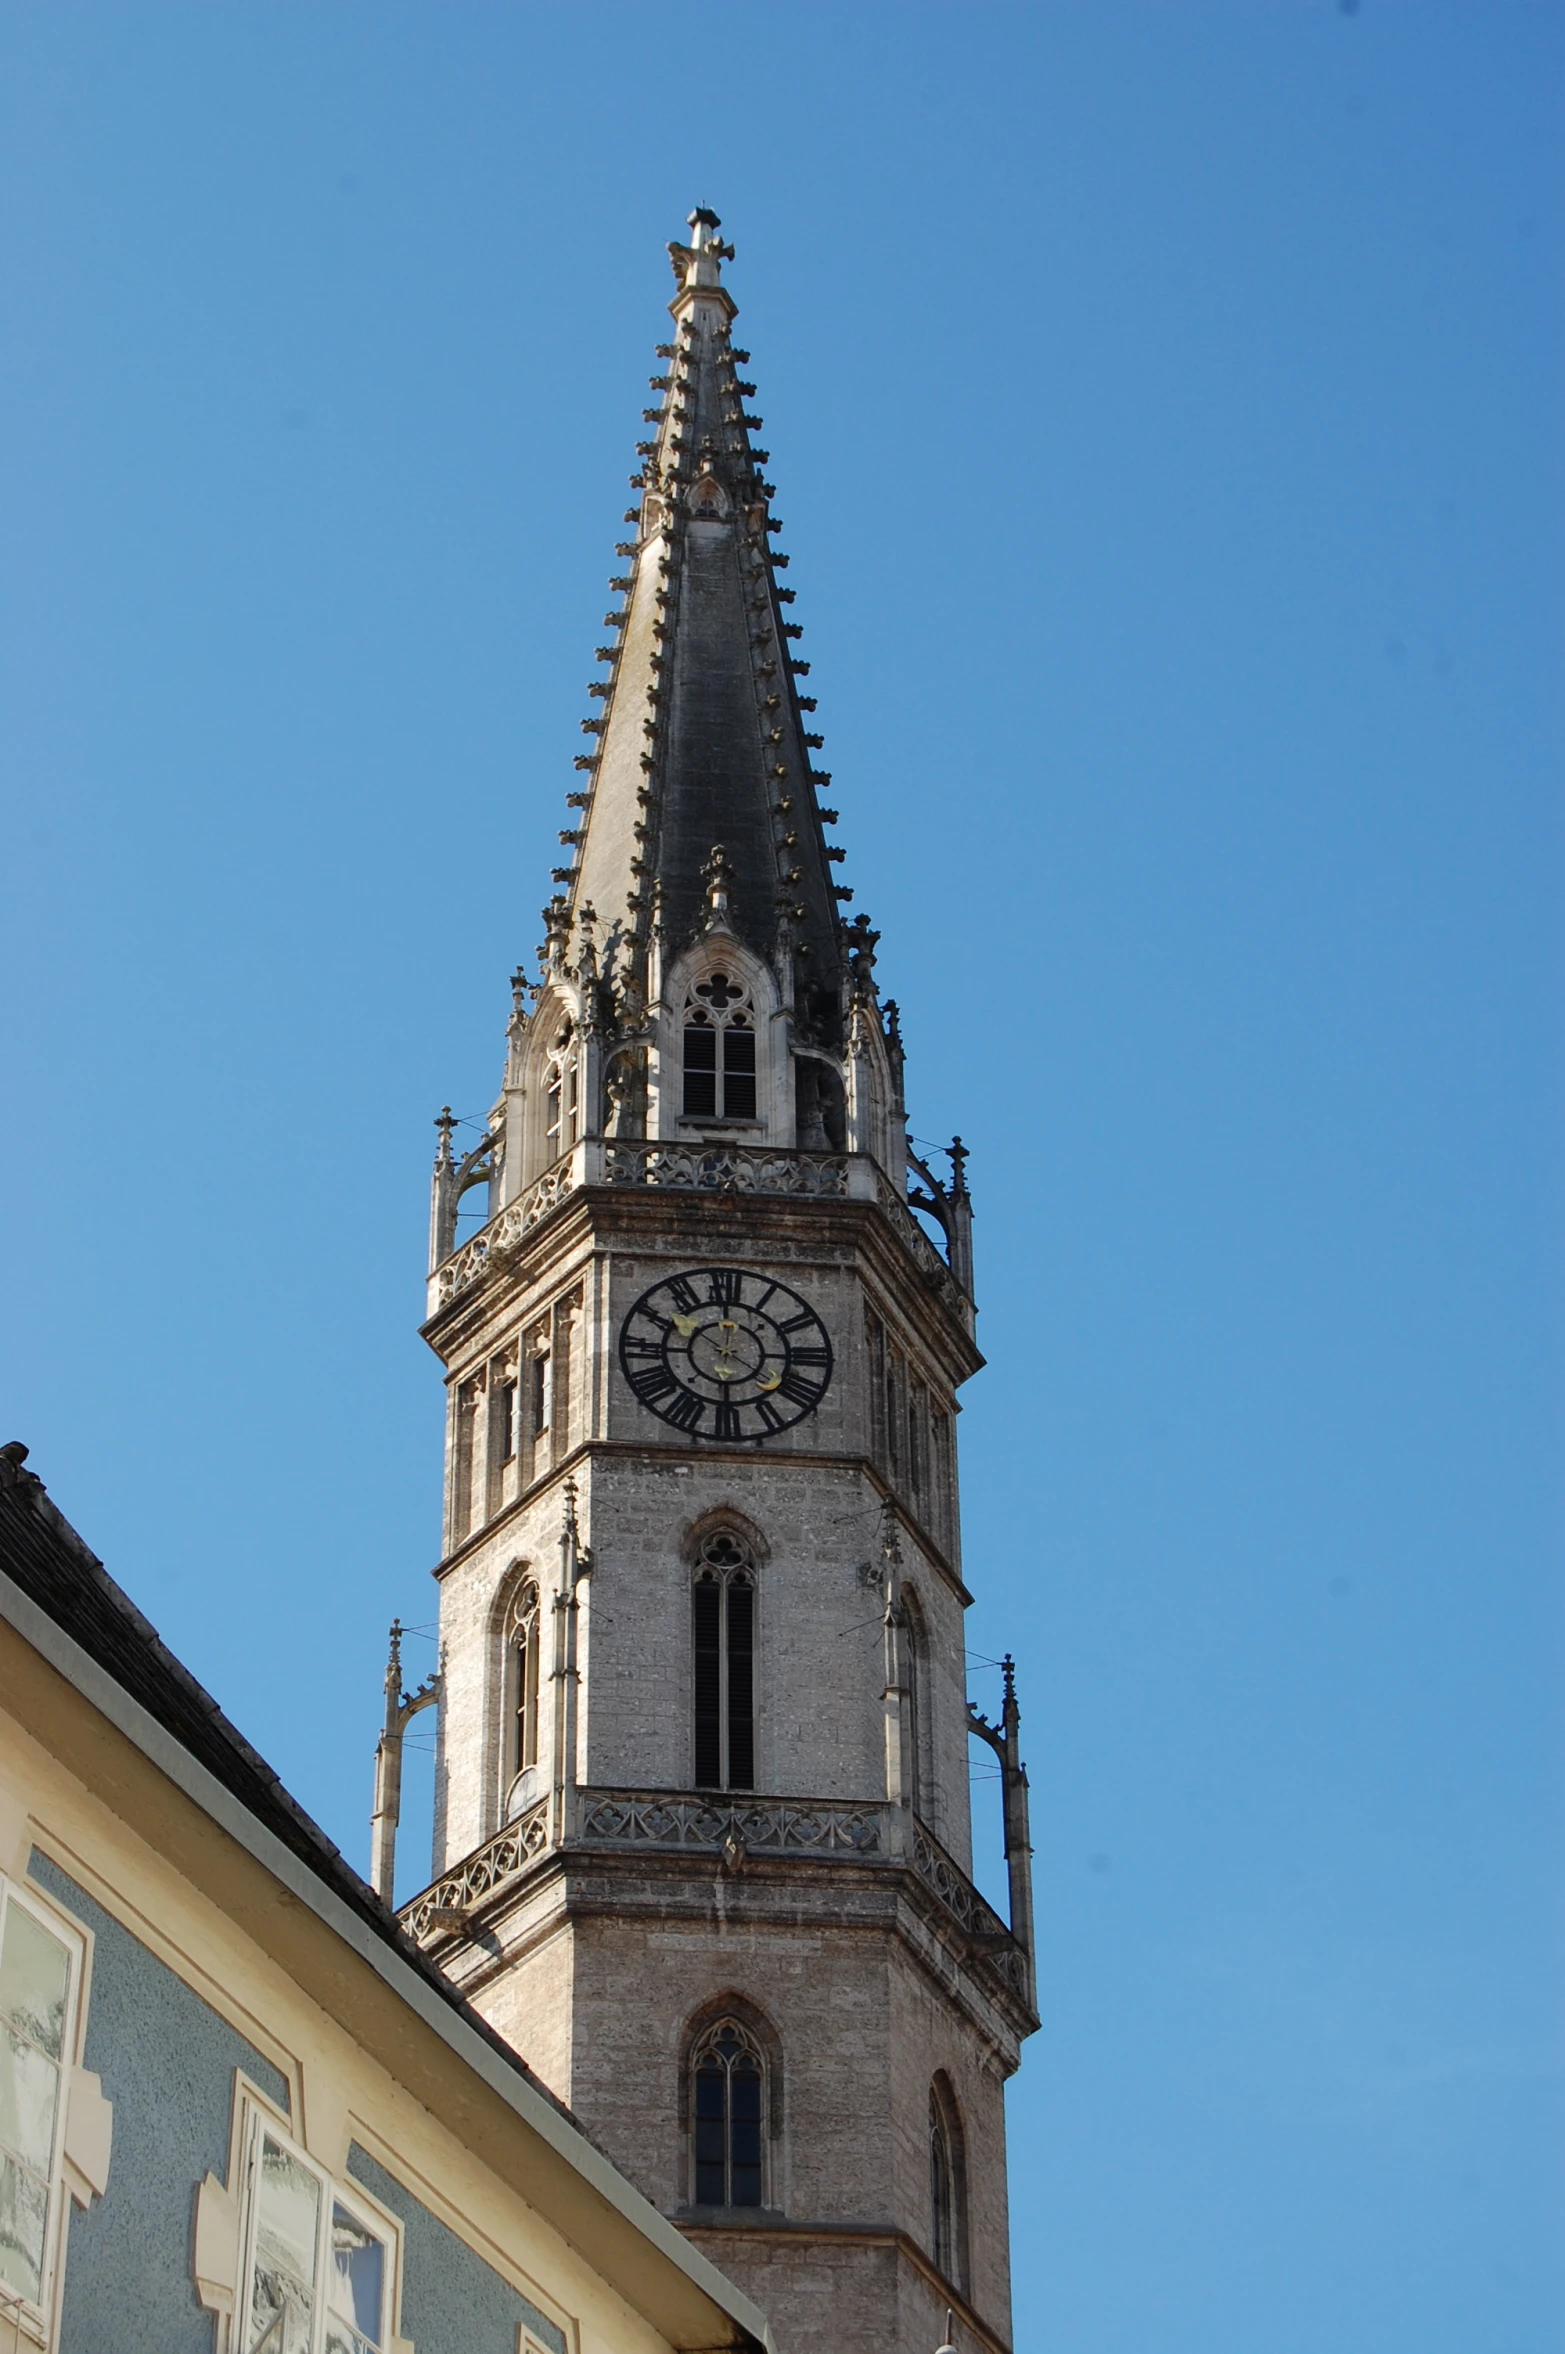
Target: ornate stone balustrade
x,y
491,1242
684,1167
926,1257
697,1822
480,1875
763,1826
727,1168
968,1909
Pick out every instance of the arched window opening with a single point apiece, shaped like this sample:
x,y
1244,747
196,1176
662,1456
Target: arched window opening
x,y
719,1037
727,2113
522,1647
918,1774
540,1386
947,2184
918,1442
942,2203
562,1098
723,1628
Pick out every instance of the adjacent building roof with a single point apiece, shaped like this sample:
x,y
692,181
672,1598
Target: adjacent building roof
x,y
44,1563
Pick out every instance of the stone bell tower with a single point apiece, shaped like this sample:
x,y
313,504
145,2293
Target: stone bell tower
x,y
702,1841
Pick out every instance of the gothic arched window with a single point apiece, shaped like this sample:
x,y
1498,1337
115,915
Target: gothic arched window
x,y
719,1039
947,2184
522,1646
727,2117
723,1635
919,1778
562,1097
940,2190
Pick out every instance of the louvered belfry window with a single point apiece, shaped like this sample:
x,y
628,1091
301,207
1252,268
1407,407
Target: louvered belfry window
x,y
723,1632
720,1065
941,2195
522,1671
728,2095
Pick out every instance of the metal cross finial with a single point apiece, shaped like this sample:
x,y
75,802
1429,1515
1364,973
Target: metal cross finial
x,y
446,1123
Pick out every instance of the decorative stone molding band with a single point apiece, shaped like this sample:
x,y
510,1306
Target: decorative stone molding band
x,y
693,1822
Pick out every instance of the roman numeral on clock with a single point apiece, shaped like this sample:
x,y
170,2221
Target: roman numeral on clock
x,y
672,1354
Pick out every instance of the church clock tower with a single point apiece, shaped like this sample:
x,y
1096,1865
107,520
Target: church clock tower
x,y
702,1837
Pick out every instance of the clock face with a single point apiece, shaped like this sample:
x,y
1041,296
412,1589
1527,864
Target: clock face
x,y
725,1354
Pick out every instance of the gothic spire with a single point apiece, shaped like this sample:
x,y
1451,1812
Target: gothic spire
x,y
702,737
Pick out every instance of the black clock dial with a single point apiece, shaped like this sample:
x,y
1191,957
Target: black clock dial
x,y
725,1354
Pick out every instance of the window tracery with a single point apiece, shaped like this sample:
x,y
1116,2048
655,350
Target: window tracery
x,y
947,2183
723,1641
919,1777
727,2117
719,1049
523,1644
562,1096
940,2190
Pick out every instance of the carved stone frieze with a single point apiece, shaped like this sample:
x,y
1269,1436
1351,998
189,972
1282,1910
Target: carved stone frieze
x,y
644,1818
502,1233
479,1875
726,1168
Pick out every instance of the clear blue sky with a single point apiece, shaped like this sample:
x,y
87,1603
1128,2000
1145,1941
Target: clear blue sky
x,y
1164,403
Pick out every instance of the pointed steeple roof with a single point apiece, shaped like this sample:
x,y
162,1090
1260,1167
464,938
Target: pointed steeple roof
x,y
703,736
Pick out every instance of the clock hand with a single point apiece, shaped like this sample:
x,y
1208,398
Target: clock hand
x,y
686,1325
768,1381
